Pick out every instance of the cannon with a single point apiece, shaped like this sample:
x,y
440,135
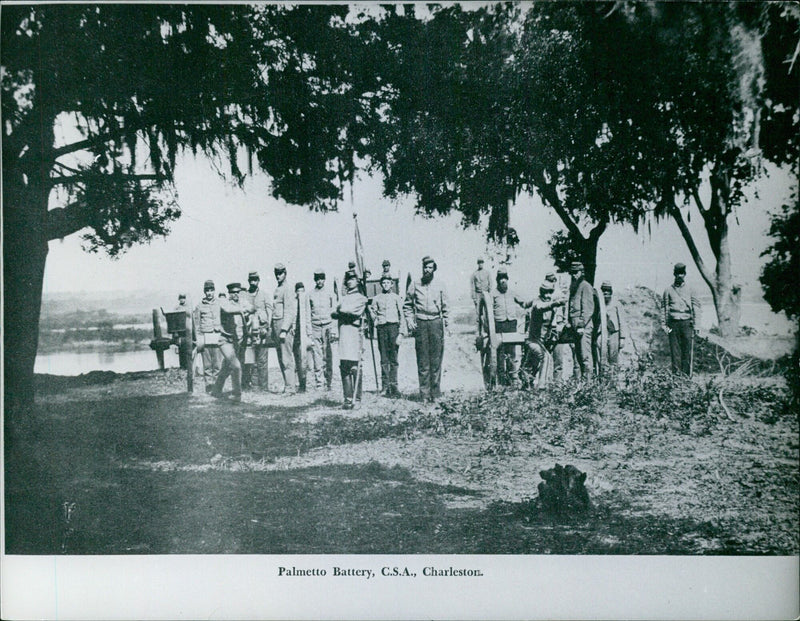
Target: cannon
x,y
489,341
180,326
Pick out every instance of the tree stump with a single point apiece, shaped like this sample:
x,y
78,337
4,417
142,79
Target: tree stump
x,y
562,491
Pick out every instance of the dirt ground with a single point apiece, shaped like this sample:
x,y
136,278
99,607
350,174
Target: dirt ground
x,y
116,464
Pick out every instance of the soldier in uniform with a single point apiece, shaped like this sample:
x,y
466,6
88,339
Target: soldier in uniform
x,y
507,312
284,313
350,315
615,325
386,311
261,306
182,305
681,315
322,303
387,269
301,355
207,325
426,312
581,319
545,327
480,282
233,318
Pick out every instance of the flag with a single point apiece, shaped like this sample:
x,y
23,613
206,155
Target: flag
x,y
359,251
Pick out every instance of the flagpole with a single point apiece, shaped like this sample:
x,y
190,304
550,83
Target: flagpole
x,y
361,267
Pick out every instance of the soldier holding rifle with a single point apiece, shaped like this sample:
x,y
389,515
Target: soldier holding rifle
x,y
321,302
581,320
284,309
426,312
262,309
681,313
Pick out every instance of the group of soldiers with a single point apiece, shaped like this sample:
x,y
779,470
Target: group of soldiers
x,y
236,329
576,323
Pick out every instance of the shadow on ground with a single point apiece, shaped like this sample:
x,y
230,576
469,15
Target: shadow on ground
x,y
323,510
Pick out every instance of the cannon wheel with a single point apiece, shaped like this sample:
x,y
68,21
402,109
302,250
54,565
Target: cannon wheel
x,y
488,341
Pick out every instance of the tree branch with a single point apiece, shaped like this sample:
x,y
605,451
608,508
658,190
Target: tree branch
x,y
54,181
696,196
550,195
67,220
91,142
687,237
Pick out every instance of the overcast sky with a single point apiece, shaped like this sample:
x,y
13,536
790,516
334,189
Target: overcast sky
x,y
226,231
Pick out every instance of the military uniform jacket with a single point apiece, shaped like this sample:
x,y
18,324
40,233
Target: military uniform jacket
x,y
680,303
322,303
546,319
480,281
615,320
349,314
507,306
260,304
581,305
386,308
232,319
425,302
207,316
284,307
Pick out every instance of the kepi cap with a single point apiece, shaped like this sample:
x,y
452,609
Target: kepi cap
x,y
546,287
386,277
680,268
234,286
550,276
386,263
208,285
298,286
280,267
319,272
253,276
606,286
501,273
575,265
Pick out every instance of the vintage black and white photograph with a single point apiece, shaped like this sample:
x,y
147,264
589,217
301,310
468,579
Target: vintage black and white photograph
x,y
401,279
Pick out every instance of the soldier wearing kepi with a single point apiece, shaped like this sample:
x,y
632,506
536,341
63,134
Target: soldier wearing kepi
x,y
507,312
480,282
386,311
545,327
387,268
182,305
261,306
284,311
299,350
208,328
581,319
350,315
615,326
234,319
426,312
321,302
681,315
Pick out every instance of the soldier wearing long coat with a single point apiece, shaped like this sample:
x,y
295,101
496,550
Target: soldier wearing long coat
x,y
349,314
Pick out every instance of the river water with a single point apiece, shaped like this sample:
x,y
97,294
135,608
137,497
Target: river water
x,y
76,363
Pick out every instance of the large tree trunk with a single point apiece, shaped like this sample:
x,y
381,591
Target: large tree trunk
x,y
727,295
24,257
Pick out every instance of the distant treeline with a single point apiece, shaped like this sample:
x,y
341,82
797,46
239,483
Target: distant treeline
x,y
70,339
82,328
87,319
